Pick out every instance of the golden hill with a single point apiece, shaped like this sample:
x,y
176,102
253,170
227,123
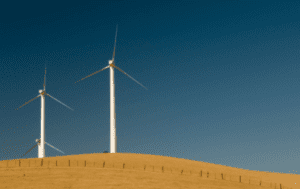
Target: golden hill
x,y
126,170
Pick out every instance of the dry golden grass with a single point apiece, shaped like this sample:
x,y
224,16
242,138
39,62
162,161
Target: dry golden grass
x,y
125,170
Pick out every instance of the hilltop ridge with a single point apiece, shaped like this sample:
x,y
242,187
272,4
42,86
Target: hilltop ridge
x,y
121,170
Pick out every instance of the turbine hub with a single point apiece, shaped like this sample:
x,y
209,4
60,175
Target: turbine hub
x,y
111,61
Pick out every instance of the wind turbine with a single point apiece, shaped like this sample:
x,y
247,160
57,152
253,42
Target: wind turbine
x,y
111,65
41,144
38,143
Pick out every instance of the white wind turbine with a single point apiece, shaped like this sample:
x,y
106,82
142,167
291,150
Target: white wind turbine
x,y
111,65
41,142
38,142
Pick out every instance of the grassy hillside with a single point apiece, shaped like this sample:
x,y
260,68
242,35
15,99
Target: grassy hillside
x,y
125,170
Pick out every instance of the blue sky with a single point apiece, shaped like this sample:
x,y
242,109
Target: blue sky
x,y
222,79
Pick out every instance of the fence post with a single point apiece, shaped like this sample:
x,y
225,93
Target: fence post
x,y
162,168
103,164
19,163
207,174
144,167
222,175
69,163
41,162
240,178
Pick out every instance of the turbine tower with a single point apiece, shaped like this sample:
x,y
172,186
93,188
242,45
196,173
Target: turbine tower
x,y
111,65
41,143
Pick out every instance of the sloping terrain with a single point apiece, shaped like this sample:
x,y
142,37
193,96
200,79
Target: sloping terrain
x,y
125,170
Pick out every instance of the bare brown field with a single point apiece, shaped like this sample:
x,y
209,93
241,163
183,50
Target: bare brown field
x,y
126,170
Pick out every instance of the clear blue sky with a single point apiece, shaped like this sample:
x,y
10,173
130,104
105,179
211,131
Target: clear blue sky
x,y
222,77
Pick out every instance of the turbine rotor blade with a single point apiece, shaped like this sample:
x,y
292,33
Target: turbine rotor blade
x,y
54,147
29,101
45,79
129,76
115,43
59,101
30,149
93,73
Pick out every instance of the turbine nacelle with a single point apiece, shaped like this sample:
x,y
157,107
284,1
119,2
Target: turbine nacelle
x,y
111,62
42,92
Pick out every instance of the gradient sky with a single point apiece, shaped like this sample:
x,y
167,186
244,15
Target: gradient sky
x,y
222,77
